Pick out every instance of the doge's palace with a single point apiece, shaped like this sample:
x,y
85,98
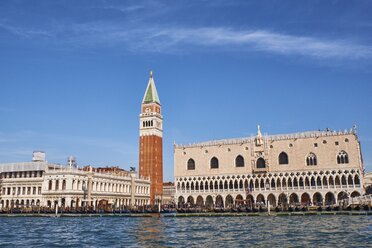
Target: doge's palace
x,y
307,168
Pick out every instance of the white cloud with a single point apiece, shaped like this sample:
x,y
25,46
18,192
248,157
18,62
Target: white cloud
x,y
170,40
252,40
139,37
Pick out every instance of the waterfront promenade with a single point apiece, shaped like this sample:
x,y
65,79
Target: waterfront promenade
x,y
182,215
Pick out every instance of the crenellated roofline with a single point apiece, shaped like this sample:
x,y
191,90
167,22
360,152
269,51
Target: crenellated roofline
x,y
292,136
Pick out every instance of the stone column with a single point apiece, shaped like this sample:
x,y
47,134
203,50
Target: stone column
x,y
133,190
90,187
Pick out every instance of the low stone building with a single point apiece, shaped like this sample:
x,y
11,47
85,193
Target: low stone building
x,y
368,183
39,183
168,193
308,168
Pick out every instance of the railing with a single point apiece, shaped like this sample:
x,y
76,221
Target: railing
x,y
260,170
242,190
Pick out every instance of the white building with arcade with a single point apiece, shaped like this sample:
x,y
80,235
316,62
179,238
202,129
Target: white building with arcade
x,y
307,168
43,184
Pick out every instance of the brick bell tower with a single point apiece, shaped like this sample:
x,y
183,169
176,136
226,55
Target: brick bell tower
x,y
151,141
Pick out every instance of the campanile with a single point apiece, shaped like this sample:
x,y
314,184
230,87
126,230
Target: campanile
x,y
151,141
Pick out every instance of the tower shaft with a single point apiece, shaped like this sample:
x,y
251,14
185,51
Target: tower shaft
x,y
151,142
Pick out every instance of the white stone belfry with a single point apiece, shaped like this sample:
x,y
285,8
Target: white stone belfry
x,y
151,120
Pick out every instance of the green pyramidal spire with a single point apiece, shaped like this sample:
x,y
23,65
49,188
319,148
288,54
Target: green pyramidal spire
x,y
151,95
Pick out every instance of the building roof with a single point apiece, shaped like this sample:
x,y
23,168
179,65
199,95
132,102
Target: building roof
x,y
151,94
302,135
27,166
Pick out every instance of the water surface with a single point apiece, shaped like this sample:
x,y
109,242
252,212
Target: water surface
x,y
288,231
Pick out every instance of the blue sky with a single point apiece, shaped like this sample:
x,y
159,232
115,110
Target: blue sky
x,y
73,73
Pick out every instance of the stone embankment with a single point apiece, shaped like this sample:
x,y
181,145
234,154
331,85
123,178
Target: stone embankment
x,y
182,215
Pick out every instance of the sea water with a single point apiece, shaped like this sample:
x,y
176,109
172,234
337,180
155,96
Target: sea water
x,y
286,231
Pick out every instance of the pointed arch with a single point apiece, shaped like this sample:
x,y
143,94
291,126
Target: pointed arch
x,y
260,163
191,164
239,161
343,180
278,184
329,198
273,184
199,201
241,184
305,199
260,199
355,194
236,184
301,182
350,180
331,181
190,200
290,182
337,181
342,158
229,201
356,180
293,198
220,186
219,201
317,199
295,182
214,163
239,200
311,159
283,158
284,183
262,184
272,200
318,181
251,184
312,181
181,200
209,201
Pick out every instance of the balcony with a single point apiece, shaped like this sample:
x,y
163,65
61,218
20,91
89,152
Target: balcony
x,y
260,170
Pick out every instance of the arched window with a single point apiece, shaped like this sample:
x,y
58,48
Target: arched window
x,y
239,161
191,164
260,163
342,158
311,159
283,158
214,163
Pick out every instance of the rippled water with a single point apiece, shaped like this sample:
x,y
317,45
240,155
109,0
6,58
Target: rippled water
x,y
289,231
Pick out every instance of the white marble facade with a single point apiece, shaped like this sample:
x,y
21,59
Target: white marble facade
x,y
43,184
